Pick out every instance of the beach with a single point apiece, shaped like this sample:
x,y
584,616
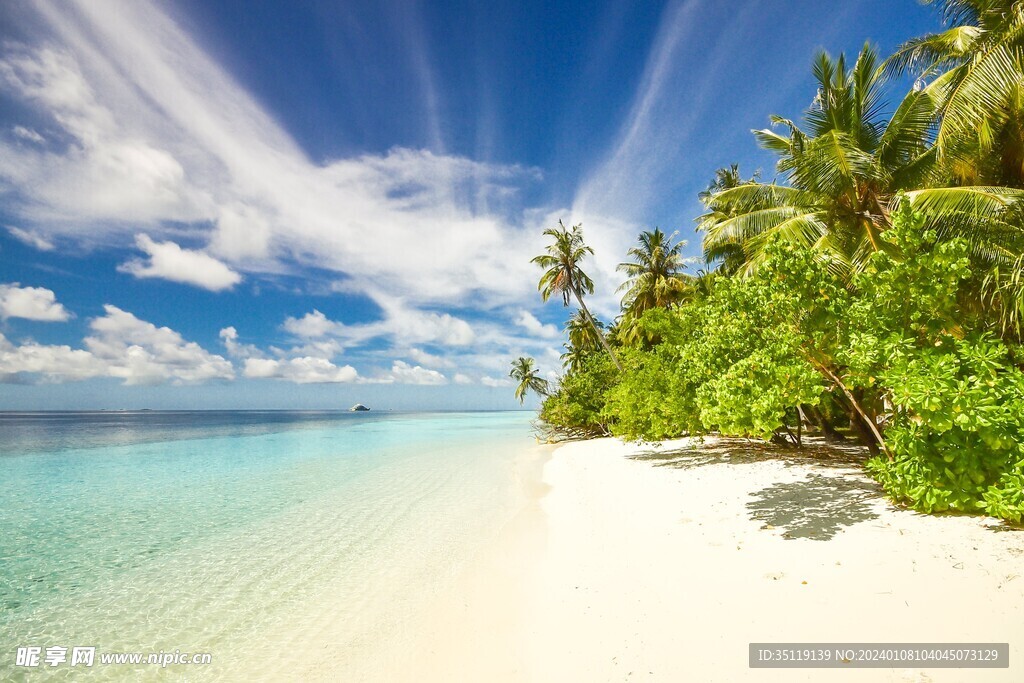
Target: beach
x,y
453,547
274,542
662,564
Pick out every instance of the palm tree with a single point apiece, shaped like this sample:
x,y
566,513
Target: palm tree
x,y
725,178
728,255
844,173
582,340
656,278
977,82
525,373
563,275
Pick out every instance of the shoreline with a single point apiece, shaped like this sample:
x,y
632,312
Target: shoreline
x,y
620,569
438,636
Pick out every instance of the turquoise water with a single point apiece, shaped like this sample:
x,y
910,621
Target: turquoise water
x,y
242,535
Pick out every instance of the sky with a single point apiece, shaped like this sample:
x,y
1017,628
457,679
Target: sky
x,y
255,204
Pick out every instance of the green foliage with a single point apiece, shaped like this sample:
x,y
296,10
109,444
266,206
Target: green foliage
x,y
756,393
1005,498
956,423
882,277
974,68
845,164
655,397
583,339
526,375
732,362
563,274
576,406
947,395
656,280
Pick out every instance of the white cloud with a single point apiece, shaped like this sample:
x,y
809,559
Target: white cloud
x,y
429,360
322,348
30,238
312,325
53,363
111,173
494,382
235,349
403,373
400,322
161,140
28,134
172,147
243,232
142,353
163,134
304,370
421,326
529,322
552,355
31,303
168,261
460,378
122,346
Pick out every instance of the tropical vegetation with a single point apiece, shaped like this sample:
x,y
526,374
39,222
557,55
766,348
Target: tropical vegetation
x,y
564,275
528,378
872,290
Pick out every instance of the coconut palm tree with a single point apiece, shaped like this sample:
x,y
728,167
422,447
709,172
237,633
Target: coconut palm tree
x,y
728,256
845,171
524,372
563,274
656,278
974,73
582,340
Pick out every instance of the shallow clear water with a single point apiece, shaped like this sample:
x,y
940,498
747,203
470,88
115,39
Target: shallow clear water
x,y
243,535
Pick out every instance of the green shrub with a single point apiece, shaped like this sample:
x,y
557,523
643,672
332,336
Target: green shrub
x,y
956,424
576,407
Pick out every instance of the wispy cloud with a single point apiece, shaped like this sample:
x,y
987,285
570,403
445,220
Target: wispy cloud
x,y
28,134
165,140
620,185
159,146
32,239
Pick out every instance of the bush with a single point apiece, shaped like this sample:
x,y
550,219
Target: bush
x,y
576,407
956,426
896,347
732,362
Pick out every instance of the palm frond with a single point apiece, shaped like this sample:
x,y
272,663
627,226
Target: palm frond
x,y
931,52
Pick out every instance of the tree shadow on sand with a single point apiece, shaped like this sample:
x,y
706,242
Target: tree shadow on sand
x,y
816,507
721,450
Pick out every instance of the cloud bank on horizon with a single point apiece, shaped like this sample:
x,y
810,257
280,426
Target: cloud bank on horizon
x,y
123,137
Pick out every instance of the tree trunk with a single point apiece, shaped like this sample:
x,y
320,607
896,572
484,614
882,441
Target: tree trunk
x,y
865,437
597,330
817,419
865,420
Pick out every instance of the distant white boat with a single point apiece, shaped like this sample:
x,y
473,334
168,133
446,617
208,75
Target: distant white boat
x,y
358,408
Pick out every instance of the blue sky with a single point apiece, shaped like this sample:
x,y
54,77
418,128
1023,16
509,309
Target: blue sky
x,y
254,204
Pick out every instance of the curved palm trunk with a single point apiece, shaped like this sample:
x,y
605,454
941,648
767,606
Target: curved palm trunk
x,y
867,421
597,330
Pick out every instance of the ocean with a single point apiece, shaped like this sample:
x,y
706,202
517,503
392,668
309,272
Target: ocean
x,y
244,536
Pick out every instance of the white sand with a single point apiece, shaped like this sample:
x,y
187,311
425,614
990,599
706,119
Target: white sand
x,y
625,571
